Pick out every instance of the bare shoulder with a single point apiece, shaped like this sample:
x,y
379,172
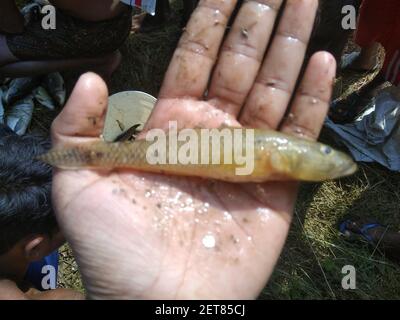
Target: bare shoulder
x,y
57,294
10,291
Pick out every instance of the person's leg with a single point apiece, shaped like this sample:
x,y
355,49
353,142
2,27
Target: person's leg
x,y
368,58
107,66
104,66
372,25
379,236
328,34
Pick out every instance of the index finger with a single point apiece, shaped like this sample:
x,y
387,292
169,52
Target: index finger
x,y
191,65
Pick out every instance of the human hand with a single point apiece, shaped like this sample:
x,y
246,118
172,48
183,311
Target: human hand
x,y
139,235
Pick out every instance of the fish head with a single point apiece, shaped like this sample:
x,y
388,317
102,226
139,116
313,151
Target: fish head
x,y
311,161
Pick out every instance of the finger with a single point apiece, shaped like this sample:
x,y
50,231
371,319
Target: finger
x,y
242,53
190,68
83,115
271,94
312,99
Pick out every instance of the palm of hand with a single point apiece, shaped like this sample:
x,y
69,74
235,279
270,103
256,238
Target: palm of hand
x,y
184,232
150,236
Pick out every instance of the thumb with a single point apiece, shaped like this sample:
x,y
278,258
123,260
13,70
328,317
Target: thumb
x,y
84,114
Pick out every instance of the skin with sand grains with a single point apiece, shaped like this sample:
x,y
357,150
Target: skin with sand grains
x,y
177,234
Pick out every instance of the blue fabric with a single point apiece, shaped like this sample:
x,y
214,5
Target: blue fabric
x,y
363,231
43,274
366,228
375,135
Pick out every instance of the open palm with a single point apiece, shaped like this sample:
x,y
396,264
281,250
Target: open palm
x,y
138,235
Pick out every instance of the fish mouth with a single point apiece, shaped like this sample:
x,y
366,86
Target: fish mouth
x,y
342,167
349,169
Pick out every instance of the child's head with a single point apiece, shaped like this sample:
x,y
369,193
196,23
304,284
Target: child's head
x,y
28,228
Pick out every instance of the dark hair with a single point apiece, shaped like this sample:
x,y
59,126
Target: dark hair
x,y
25,188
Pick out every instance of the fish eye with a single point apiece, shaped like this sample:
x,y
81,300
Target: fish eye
x,y
326,150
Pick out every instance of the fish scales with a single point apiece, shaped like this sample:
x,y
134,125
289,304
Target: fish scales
x,y
277,156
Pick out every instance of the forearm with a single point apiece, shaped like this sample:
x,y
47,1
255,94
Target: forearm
x,y
11,19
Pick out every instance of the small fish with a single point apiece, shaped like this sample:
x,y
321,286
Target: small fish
x,y
129,134
43,98
20,115
1,107
20,88
277,157
120,125
54,83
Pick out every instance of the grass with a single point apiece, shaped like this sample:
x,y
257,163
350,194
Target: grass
x,y
314,255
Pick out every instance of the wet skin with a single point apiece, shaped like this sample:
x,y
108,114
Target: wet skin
x,y
150,236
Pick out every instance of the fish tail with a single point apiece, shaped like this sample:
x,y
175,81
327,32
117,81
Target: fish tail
x,y
68,158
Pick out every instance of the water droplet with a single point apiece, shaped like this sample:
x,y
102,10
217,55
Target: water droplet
x,y
227,216
209,241
264,214
292,39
